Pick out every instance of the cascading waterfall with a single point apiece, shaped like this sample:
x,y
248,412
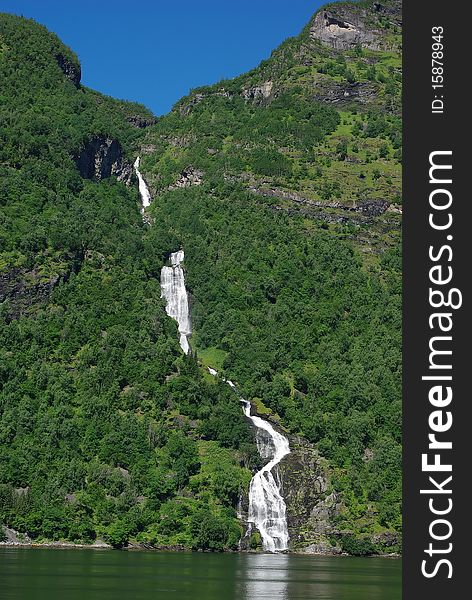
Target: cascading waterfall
x,y
173,290
143,188
267,510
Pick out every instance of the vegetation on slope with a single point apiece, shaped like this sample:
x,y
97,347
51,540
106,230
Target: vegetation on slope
x,y
293,262
292,241
102,421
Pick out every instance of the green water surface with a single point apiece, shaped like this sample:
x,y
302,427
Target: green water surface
x,y
50,574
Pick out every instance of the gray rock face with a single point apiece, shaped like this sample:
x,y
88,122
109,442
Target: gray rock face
x,y
71,70
311,507
344,93
14,538
321,547
391,10
140,122
188,177
345,26
186,109
21,288
102,157
343,29
366,208
387,539
258,93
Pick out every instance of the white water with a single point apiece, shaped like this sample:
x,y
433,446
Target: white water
x,y
267,510
143,188
173,290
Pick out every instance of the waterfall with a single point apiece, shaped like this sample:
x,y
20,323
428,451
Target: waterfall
x,y
143,188
173,290
267,510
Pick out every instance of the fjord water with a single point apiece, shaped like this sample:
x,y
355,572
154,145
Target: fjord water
x,y
51,574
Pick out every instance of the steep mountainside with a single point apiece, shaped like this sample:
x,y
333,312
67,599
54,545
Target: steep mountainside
x,y
101,418
283,187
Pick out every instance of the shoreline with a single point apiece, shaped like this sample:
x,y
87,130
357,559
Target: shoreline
x,y
143,548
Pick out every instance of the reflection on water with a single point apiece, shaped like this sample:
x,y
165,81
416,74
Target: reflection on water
x,y
49,574
264,576
289,577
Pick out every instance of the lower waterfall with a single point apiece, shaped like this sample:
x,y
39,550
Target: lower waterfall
x,y
267,510
173,290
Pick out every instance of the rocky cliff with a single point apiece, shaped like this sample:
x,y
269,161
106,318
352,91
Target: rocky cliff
x,y
70,68
345,26
312,503
21,289
102,157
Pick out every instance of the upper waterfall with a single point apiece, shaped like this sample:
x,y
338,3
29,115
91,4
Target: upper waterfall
x,y
173,290
143,188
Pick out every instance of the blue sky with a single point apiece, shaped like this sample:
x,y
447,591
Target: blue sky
x,y
154,52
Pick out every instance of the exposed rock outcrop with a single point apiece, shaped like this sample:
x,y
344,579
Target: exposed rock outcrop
x,y
102,157
141,122
148,148
14,538
345,26
334,217
181,141
185,108
367,208
70,69
390,10
258,93
371,208
311,505
387,540
344,93
343,29
188,177
22,288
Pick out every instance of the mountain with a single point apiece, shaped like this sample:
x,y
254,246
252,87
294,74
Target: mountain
x,y
283,187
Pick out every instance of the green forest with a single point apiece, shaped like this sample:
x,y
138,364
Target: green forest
x,y
107,431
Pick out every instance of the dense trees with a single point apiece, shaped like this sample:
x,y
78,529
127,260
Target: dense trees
x,y
101,418
305,329
106,430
